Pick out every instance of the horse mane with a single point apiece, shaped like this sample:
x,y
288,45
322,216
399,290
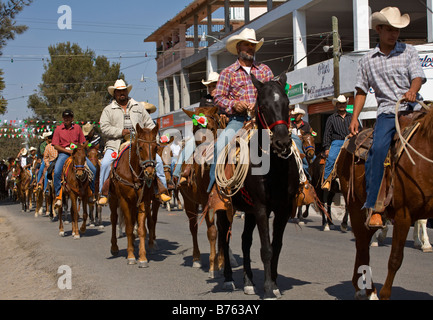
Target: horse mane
x,y
426,124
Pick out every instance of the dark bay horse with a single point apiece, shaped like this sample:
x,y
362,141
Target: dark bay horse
x,y
95,210
76,185
195,193
131,190
412,199
267,191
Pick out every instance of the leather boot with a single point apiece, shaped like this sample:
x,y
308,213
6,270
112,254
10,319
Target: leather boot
x,y
162,191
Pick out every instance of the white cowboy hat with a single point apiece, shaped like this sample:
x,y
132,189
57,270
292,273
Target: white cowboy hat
x,y
213,77
23,151
119,85
246,35
46,134
390,16
298,111
87,128
32,149
149,107
341,99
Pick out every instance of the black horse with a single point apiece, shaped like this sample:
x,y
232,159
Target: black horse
x,y
271,191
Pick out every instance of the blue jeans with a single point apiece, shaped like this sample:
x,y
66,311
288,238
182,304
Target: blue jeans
x,y
41,170
334,150
384,131
106,167
61,159
185,154
235,124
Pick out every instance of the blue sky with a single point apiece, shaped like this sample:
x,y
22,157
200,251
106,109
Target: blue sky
x,y
115,29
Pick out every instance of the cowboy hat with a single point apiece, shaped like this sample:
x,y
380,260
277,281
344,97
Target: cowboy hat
x,y
149,107
213,77
246,35
87,128
390,16
298,111
119,85
32,149
23,151
46,134
341,99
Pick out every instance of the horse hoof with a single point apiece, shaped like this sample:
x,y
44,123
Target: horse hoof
x,y
229,286
326,227
143,264
343,227
196,264
100,227
374,244
92,225
212,274
277,293
131,261
427,249
76,236
62,233
249,290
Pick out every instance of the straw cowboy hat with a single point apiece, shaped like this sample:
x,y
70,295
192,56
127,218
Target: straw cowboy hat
x,y
390,16
46,134
119,85
149,107
340,99
87,128
298,111
213,77
246,35
32,149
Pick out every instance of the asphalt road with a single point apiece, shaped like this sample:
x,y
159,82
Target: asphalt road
x,y
314,265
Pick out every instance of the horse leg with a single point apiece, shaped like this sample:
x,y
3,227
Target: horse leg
x,y
74,216
60,217
362,257
129,214
142,260
85,214
402,224
247,240
420,236
113,218
224,238
280,221
212,237
151,217
191,210
305,214
265,252
344,223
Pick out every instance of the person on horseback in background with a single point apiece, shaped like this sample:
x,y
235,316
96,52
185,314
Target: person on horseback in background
x,y
118,121
188,150
92,138
66,136
235,93
297,125
40,155
49,156
394,72
336,131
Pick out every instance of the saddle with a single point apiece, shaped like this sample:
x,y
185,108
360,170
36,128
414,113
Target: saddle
x,y
360,145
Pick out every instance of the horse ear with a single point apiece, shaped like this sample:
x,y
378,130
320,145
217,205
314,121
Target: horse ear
x,y
155,129
282,78
138,128
256,82
188,112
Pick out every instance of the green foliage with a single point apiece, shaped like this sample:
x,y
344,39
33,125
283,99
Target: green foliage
x,y
8,31
74,79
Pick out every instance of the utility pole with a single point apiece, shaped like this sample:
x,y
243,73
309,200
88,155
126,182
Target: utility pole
x,y
336,55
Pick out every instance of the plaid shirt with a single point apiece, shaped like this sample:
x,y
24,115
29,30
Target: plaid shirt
x,y
50,154
389,76
234,84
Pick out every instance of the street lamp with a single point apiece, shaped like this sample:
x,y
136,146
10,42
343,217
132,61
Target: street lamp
x,y
204,36
143,79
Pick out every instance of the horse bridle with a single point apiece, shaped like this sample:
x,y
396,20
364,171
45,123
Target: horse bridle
x,y
148,162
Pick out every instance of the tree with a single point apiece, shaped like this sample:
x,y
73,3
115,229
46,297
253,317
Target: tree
x,y
74,79
8,31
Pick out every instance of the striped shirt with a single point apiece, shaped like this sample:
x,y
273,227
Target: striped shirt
x,y
389,76
336,128
234,84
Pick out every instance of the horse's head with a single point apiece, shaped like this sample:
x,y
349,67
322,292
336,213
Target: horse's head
x,y
146,148
272,112
308,145
205,118
164,152
79,160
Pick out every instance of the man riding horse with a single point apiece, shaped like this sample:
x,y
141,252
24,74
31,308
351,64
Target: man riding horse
x,y
118,121
393,70
65,138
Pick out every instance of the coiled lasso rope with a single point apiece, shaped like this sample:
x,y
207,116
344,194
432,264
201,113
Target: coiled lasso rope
x,y
403,140
236,182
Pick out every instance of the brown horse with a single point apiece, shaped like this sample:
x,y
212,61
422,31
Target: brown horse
x,y
131,189
24,188
77,185
95,210
165,153
412,199
195,193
